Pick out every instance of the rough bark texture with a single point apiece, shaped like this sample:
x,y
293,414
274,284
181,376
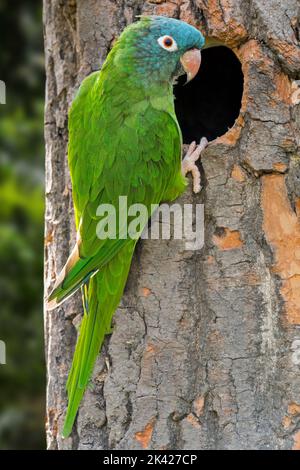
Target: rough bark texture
x,y
203,350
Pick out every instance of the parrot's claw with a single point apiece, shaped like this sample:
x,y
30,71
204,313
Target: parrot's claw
x,y
189,162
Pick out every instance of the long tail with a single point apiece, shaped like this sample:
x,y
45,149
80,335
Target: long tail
x,y
102,295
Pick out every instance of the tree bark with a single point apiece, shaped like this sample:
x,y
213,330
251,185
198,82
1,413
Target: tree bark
x,y
204,349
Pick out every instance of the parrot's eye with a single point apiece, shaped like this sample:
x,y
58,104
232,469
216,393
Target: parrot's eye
x,y
168,43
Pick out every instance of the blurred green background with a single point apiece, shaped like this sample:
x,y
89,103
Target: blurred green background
x,y
22,379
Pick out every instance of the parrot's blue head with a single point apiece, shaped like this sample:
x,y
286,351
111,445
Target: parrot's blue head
x,y
158,48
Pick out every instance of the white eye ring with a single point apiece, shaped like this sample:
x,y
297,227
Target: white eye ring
x,y
167,43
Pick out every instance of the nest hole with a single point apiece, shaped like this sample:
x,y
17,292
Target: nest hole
x,y
209,105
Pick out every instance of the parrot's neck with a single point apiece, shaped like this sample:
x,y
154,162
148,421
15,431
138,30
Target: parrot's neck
x,y
159,95
125,81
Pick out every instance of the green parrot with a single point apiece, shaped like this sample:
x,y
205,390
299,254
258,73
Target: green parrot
x,y
124,140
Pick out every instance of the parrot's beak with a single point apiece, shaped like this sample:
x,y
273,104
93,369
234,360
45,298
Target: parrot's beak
x,y
191,61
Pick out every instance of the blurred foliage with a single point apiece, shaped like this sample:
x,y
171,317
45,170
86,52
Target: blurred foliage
x,y
22,379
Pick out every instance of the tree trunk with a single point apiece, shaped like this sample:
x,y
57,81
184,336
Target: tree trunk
x,y
205,348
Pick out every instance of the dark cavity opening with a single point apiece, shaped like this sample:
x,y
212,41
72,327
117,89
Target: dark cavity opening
x,y
211,102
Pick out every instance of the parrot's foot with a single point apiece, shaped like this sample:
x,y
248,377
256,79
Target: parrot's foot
x,y
189,162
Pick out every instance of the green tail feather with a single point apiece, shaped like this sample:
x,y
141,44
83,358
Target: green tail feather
x,y
87,333
81,271
103,294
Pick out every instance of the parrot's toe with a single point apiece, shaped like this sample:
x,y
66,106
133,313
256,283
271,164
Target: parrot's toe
x,y
189,162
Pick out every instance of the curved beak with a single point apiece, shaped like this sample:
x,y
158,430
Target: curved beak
x,y
191,61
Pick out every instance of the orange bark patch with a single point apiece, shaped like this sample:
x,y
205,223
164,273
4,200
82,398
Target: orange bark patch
x,y
282,229
295,98
232,136
291,293
251,52
286,422
296,445
237,174
282,88
297,206
227,26
290,52
166,9
229,240
193,420
150,349
48,238
199,406
294,409
144,437
146,292
279,166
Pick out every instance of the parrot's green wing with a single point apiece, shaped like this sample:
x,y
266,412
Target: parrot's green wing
x,y
136,159
113,151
